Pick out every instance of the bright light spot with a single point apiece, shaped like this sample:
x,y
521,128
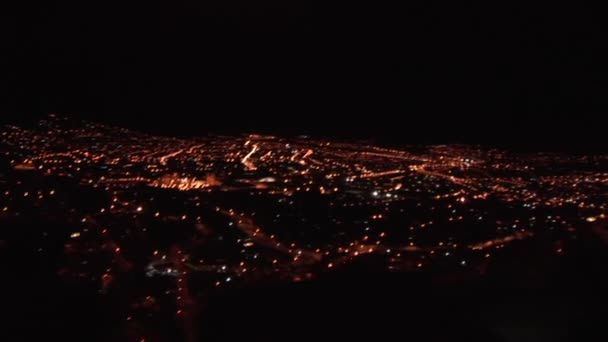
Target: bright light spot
x,y
591,219
228,279
375,193
139,209
75,235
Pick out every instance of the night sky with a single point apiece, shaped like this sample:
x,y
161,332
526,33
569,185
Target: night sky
x,y
421,73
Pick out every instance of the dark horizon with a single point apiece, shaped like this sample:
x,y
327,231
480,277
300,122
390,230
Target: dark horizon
x,y
520,76
525,136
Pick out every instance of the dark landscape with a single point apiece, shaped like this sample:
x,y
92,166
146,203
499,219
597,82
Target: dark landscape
x,y
122,235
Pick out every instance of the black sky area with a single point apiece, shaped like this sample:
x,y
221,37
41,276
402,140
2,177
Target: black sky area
x,y
518,75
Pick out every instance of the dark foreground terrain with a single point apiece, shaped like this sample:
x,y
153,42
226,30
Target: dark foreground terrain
x,y
521,301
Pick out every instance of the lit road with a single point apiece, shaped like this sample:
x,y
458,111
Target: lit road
x,y
458,181
381,174
255,233
188,309
163,159
245,161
